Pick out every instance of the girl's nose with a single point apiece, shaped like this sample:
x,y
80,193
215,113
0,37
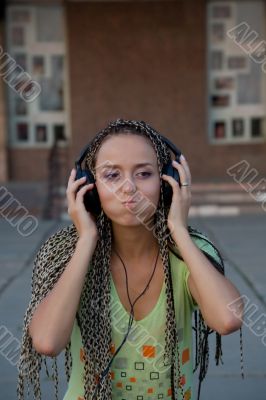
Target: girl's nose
x,y
129,186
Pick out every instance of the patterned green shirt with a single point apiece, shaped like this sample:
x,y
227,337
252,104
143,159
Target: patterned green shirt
x,y
138,372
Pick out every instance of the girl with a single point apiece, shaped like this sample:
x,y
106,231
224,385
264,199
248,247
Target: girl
x,y
118,295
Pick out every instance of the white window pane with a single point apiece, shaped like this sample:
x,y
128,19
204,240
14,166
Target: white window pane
x,y
51,97
22,131
18,36
38,65
20,16
238,127
248,89
40,133
52,31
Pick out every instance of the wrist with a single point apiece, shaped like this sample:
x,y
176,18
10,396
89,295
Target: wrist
x,y
87,240
180,233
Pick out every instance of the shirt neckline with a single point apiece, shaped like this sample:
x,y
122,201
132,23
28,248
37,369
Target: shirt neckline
x,y
150,313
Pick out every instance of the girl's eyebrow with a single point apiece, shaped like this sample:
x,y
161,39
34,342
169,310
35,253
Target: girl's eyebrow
x,y
119,166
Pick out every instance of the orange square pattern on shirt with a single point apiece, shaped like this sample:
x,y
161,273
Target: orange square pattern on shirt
x,y
82,354
187,394
112,348
148,351
112,375
182,381
185,356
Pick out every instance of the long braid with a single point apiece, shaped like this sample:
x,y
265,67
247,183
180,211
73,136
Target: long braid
x,y
93,314
49,264
68,361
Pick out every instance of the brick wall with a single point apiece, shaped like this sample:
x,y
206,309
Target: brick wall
x,y
141,60
147,61
33,164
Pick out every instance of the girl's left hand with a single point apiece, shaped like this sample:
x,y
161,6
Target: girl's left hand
x,y
181,199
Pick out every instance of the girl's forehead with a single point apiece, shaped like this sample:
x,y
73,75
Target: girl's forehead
x,y
126,146
125,137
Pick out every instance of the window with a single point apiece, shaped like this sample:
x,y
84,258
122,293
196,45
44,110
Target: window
x,y
236,71
35,58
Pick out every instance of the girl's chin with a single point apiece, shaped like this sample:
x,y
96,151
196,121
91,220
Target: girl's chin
x,y
129,218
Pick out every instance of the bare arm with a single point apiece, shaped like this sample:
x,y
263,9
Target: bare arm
x,y
53,319
212,291
52,322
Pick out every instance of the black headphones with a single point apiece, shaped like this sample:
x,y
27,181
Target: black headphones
x,y
91,198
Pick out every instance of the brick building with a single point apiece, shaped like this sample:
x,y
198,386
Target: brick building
x,y
170,63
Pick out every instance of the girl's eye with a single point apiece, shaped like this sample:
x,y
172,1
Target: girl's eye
x,y
114,175
110,176
147,173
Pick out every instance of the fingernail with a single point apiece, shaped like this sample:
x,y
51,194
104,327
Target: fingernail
x,y
182,157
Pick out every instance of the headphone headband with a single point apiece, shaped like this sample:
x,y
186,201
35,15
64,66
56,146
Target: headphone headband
x,y
171,145
83,153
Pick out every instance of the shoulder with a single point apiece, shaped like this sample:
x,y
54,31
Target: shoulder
x,y
61,240
204,243
207,246
59,237
54,253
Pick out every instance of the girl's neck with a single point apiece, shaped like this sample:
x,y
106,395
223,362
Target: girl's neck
x,y
134,243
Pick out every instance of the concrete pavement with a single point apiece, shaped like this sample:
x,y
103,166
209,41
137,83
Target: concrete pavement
x,y
240,238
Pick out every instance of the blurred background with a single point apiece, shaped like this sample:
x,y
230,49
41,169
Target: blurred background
x,y
169,63
193,69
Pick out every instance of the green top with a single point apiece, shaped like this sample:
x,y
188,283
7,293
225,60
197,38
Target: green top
x,y
137,371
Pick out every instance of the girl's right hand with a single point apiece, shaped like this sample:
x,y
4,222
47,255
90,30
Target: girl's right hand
x,y
83,220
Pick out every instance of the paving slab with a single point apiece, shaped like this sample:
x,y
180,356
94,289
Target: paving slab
x,y
240,238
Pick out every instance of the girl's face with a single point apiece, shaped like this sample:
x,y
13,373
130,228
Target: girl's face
x,y
120,178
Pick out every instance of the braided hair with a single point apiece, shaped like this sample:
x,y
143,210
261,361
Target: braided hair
x,y
93,314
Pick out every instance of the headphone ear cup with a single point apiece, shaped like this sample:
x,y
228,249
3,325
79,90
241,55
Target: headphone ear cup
x,y
168,169
91,198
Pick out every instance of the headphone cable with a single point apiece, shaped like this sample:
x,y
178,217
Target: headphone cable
x,y
130,321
